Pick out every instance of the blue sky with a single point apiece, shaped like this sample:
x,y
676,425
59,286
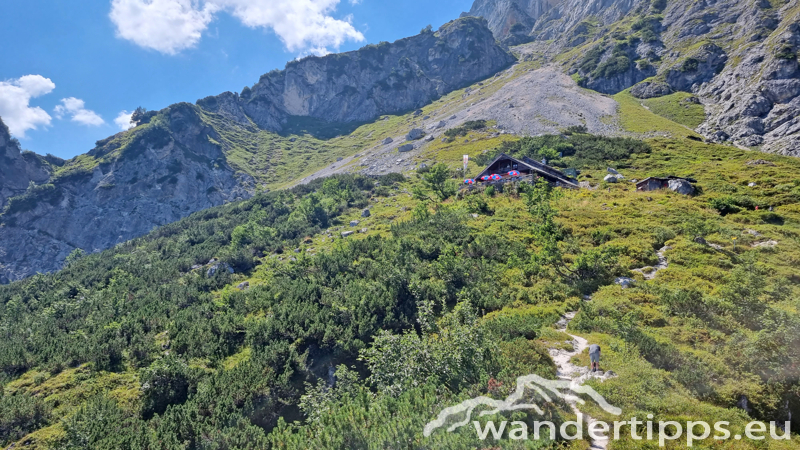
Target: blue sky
x,y
67,71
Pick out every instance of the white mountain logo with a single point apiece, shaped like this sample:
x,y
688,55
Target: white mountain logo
x,y
515,401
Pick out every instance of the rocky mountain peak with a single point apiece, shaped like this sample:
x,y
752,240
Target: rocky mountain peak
x,y
359,86
17,169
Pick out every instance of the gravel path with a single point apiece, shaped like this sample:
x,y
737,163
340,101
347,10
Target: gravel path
x,y
577,375
650,272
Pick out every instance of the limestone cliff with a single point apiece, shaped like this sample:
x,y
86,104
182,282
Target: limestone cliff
x,y
739,57
378,79
17,169
136,181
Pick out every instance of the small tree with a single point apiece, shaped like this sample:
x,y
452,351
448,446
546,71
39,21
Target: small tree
x,y
76,254
438,180
142,116
165,382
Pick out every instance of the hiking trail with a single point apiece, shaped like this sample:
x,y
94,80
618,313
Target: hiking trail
x,y
577,375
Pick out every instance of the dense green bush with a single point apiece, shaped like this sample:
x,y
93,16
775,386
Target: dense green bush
x,y
471,125
579,150
20,414
165,382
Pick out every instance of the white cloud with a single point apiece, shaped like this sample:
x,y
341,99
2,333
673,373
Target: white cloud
x,y
123,120
15,109
76,108
170,26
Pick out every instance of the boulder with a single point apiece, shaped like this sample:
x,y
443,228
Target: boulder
x,y
365,213
353,223
612,171
625,282
217,267
682,187
700,240
429,138
388,141
650,89
405,148
243,285
415,134
347,233
610,178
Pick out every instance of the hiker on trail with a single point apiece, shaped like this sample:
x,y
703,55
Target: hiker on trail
x,y
594,357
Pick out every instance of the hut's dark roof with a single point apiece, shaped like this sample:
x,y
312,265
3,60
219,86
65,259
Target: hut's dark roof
x,y
543,170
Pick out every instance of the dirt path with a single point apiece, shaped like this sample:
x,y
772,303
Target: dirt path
x,y
577,375
650,272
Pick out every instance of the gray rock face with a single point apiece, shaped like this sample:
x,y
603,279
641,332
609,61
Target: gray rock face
x,y
227,104
649,89
378,79
17,170
739,58
625,282
163,175
365,213
405,148
698,67
619,81
509,19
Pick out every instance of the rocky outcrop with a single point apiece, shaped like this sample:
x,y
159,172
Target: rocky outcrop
x,y
511,21
650,89
756,103
697,67
152,176
18,169
739,58
378,79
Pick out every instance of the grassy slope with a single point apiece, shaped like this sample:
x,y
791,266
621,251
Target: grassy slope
x,y
675,108
636,118
629,218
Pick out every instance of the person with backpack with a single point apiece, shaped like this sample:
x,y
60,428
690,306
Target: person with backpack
x,y
594,357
